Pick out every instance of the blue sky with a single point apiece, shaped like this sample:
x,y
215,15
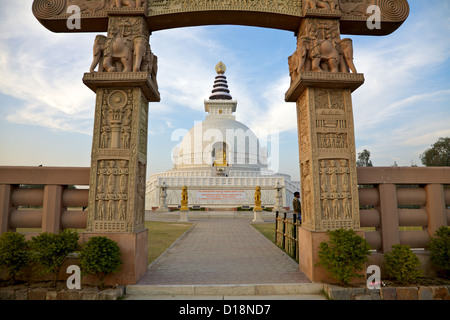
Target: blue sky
x,y
46,112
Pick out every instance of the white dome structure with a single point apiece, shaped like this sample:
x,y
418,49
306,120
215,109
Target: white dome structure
x,y
220,140
221,161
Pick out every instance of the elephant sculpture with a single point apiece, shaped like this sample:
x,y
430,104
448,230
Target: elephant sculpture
x,y
314,55
329,54
141,47
299,60
99,46
346,63
121,54
324,56
118,55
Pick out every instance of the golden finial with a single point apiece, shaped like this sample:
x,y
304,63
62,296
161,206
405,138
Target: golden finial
x,y
220,68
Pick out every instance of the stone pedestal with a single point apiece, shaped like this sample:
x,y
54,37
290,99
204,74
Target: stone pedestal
x,y
184,216
257,216
134,256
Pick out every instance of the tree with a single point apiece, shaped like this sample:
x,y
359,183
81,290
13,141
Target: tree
x,y
363,159
438,155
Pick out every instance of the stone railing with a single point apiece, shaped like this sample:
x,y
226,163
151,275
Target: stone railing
x,y
40,198
403,205
390,198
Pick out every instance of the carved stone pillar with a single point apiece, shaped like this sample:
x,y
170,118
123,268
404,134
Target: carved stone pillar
x,y
119,147
321,87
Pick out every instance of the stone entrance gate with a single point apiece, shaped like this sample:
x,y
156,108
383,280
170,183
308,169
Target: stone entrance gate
x,y
123,76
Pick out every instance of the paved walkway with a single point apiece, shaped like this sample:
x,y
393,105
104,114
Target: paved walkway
x,y
223,252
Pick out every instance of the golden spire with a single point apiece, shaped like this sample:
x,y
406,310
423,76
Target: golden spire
x,y
221,68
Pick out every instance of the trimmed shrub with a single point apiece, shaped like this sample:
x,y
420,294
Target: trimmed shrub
x,y
100,256
440,249
14,253
402,265
344,255
51,249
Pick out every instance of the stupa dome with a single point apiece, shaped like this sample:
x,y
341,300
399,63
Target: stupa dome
x,y
220,140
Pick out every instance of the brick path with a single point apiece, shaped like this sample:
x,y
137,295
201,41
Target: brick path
x,y
223,251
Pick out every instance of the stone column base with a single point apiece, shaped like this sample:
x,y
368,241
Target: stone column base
x,y
257,216
308,254
134,256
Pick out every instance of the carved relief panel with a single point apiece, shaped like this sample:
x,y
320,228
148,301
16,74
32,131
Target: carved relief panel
x,y
119,153
158,7
335,194
331,124
327,165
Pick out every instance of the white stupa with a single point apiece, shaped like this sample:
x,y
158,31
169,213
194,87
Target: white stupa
x,y
220,160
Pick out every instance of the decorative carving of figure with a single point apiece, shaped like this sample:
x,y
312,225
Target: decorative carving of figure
x,y
307,189
344,171
101,210
324,53
325,208
128,113
322,4
356,7
112,171
140,52
321,49
347,53
104,137
346,208
335,208
298,60
119,47
154,71
99,46
333,177
334,4
88,7
125,3
129,3
122,209
141,193
323,183
184,198
101,178
111,210
258,199
126,137
123,171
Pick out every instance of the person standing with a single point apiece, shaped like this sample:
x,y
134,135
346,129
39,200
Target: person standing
x,y
297,206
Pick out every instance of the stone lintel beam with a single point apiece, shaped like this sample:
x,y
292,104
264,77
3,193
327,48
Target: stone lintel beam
x,y
53,15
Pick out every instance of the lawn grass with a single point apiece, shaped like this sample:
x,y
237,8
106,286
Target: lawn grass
x,y
161,235
267,230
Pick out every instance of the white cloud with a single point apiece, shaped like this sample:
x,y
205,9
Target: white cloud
x,y
43,70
